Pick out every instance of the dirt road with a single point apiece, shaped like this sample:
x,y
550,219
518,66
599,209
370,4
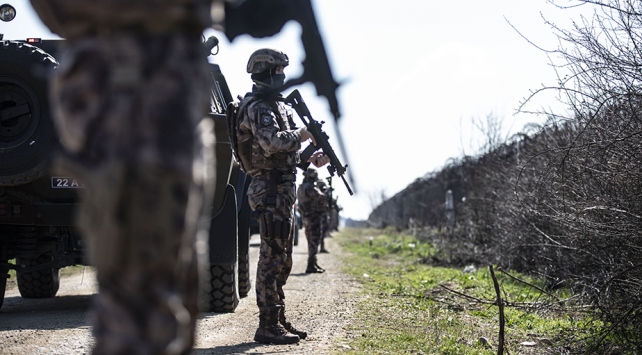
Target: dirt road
x,y
322,304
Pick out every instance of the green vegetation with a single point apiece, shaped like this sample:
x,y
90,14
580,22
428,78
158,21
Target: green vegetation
x,y
412,307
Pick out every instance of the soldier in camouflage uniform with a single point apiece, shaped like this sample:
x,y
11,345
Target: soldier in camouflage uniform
x,y
325,218
334,215
313,207
129,95
268,147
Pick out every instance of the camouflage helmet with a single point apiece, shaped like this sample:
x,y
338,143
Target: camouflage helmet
x,y
310,174
266,59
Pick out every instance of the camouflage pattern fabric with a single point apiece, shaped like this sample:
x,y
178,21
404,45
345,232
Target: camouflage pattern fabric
x,y
311,199
312,224
127,108
313,206
334,217
285,195
325,222
277,139
325,219
72,19
275,261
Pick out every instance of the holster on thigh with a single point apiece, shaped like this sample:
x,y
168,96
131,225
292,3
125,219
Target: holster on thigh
x,y
266,224
275,232
286,228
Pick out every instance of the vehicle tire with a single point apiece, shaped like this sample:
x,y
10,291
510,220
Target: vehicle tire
x,y
245,282
27,134
43,283
224,289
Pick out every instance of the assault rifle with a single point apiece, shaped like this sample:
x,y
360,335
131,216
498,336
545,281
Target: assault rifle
x,y
314,127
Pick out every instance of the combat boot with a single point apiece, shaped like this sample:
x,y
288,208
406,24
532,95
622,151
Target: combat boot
x,y
313,267
288,326
270,332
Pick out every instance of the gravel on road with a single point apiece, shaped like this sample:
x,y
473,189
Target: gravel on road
x,y
322,304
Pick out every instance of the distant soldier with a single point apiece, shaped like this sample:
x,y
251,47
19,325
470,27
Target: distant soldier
x,y
334,215
334,208
268,145
325,218
129,94
313,206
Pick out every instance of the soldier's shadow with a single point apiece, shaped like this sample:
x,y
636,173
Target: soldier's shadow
x,y
301,274
242,348
65,311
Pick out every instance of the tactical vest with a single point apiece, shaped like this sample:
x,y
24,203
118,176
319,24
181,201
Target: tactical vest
x,y
247,150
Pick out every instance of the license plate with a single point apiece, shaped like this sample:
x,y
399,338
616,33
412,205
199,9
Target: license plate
x,y
58,182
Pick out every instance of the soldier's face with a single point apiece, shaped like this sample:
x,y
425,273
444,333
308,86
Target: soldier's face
x,y
278,70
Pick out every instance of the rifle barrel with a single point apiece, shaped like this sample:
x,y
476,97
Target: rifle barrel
x,y
322,139
347,186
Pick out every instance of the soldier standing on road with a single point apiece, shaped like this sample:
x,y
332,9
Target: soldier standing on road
x,y
268,146
334,215
313,206
129,94
325,218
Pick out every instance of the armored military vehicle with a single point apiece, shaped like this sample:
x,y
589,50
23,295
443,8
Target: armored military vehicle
x,y
231,213
37,234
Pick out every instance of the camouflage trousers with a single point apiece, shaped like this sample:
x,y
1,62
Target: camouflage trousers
x,y
312,223
128,110
275,254
325,223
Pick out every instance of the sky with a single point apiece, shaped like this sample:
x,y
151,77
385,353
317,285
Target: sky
x,y
414,75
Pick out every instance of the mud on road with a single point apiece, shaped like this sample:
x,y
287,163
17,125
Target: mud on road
x,y
322,304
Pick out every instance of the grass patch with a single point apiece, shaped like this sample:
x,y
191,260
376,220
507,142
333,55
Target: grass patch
x,y
412,307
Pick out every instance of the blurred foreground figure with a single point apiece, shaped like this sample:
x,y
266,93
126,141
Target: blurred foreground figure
x,y
129,95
